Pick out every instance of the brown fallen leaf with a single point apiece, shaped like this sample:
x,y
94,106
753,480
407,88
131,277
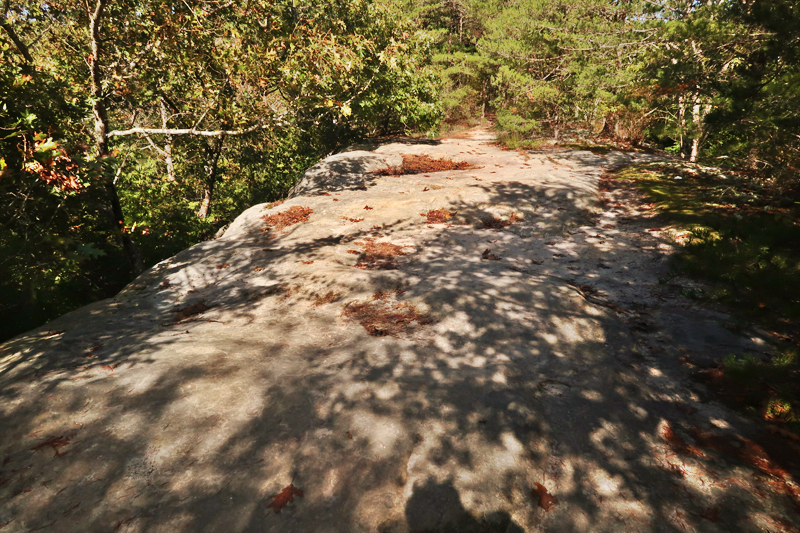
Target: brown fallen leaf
x,y
425,189
712,513
419,164
55,442
487,254
437,216
220,267
191,310
280,221
284,497
308,262
546,500
367,207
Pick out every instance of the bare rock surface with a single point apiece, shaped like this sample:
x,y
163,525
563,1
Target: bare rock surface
x,y
405,374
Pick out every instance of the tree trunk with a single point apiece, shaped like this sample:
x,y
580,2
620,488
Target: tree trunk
x,y
22,48
167,145
101,137
682,138
699,113
697,123
212,153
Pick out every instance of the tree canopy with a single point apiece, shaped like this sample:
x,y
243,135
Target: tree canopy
x,y
131,129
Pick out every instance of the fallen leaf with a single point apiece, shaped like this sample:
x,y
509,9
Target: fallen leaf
x,y
293,215
367,207
284,497
499,223
55,442
308,262
419,164
191,310
378,255
487,254
425,189
437,216
220,267
546,500
385,316
712,513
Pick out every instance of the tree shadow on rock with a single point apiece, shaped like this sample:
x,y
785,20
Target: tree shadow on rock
x,y
436,507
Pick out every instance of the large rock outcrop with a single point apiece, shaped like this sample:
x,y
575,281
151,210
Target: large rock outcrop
x,y
414,353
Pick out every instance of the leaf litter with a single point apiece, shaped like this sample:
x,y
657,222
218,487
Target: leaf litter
x,y
377,255
420,164
284,219
500,223
438,216
191,310
384,315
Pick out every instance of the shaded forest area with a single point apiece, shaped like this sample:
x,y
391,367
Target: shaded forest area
x,y
132,129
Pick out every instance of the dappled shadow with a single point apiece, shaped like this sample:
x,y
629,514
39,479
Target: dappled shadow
x,y
521,378
342,172
586,158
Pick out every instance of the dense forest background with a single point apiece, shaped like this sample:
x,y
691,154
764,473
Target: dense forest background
x,y
131,129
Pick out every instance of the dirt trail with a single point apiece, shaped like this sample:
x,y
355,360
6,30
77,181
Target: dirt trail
x,y
416,356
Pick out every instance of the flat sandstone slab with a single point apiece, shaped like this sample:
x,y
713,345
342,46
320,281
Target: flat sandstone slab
x,y
404,375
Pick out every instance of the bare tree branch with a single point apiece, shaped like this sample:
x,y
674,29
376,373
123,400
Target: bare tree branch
x,y
187,131
21,47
